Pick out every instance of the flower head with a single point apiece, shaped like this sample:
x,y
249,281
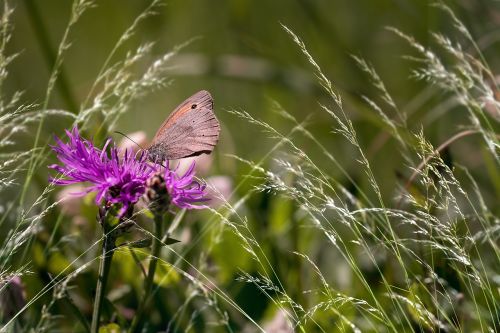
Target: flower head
x,y
184,191
114,179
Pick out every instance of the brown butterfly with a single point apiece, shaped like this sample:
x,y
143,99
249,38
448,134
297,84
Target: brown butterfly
x,y
190,130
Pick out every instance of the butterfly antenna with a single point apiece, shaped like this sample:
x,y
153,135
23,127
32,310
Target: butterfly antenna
x,y
138,145
125,135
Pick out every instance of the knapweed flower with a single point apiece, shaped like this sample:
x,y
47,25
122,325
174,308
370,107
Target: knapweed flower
x,y
115,179
167,187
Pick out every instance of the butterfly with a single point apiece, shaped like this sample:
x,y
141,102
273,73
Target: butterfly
x,y
190,130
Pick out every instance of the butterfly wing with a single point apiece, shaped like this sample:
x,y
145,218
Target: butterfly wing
x,y
192,129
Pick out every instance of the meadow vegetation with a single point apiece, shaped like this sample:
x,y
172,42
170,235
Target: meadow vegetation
x,y
396,230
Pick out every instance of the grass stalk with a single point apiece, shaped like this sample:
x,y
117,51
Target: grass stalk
x,y
108,248
138,320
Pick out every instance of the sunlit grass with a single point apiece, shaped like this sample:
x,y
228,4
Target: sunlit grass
x,y
424,260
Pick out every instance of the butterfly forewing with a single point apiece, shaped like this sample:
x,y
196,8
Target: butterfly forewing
x,y
192,129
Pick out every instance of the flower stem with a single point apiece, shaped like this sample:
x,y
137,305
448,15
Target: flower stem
x,y
148,283
108,249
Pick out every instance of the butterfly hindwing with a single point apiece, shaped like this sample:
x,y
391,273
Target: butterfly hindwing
x,y
192,129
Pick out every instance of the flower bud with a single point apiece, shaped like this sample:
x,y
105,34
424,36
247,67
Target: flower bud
x,y
12,297
157,194
168,187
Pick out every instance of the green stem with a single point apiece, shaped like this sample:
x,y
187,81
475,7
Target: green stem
x,y
108,249
148,283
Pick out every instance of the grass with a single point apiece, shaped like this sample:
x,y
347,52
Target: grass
x,y
303,242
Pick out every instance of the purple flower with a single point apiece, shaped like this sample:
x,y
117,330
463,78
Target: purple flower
x,y
166,187
184,191
115,180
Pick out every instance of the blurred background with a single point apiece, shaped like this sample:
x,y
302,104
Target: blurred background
x,y
239,51
242,55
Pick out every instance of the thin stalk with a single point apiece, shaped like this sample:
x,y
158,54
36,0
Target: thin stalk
x,y
297,263
436,152
108,249
137,323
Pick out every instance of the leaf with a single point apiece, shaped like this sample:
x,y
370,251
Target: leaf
x,y
170,241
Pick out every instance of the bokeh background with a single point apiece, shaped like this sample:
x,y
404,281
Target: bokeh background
x,y
241,54
239,51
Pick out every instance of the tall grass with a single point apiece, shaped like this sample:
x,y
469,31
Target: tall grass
x,y
339,256
439,230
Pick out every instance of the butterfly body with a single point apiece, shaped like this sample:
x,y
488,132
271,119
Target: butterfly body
x,y
190,130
